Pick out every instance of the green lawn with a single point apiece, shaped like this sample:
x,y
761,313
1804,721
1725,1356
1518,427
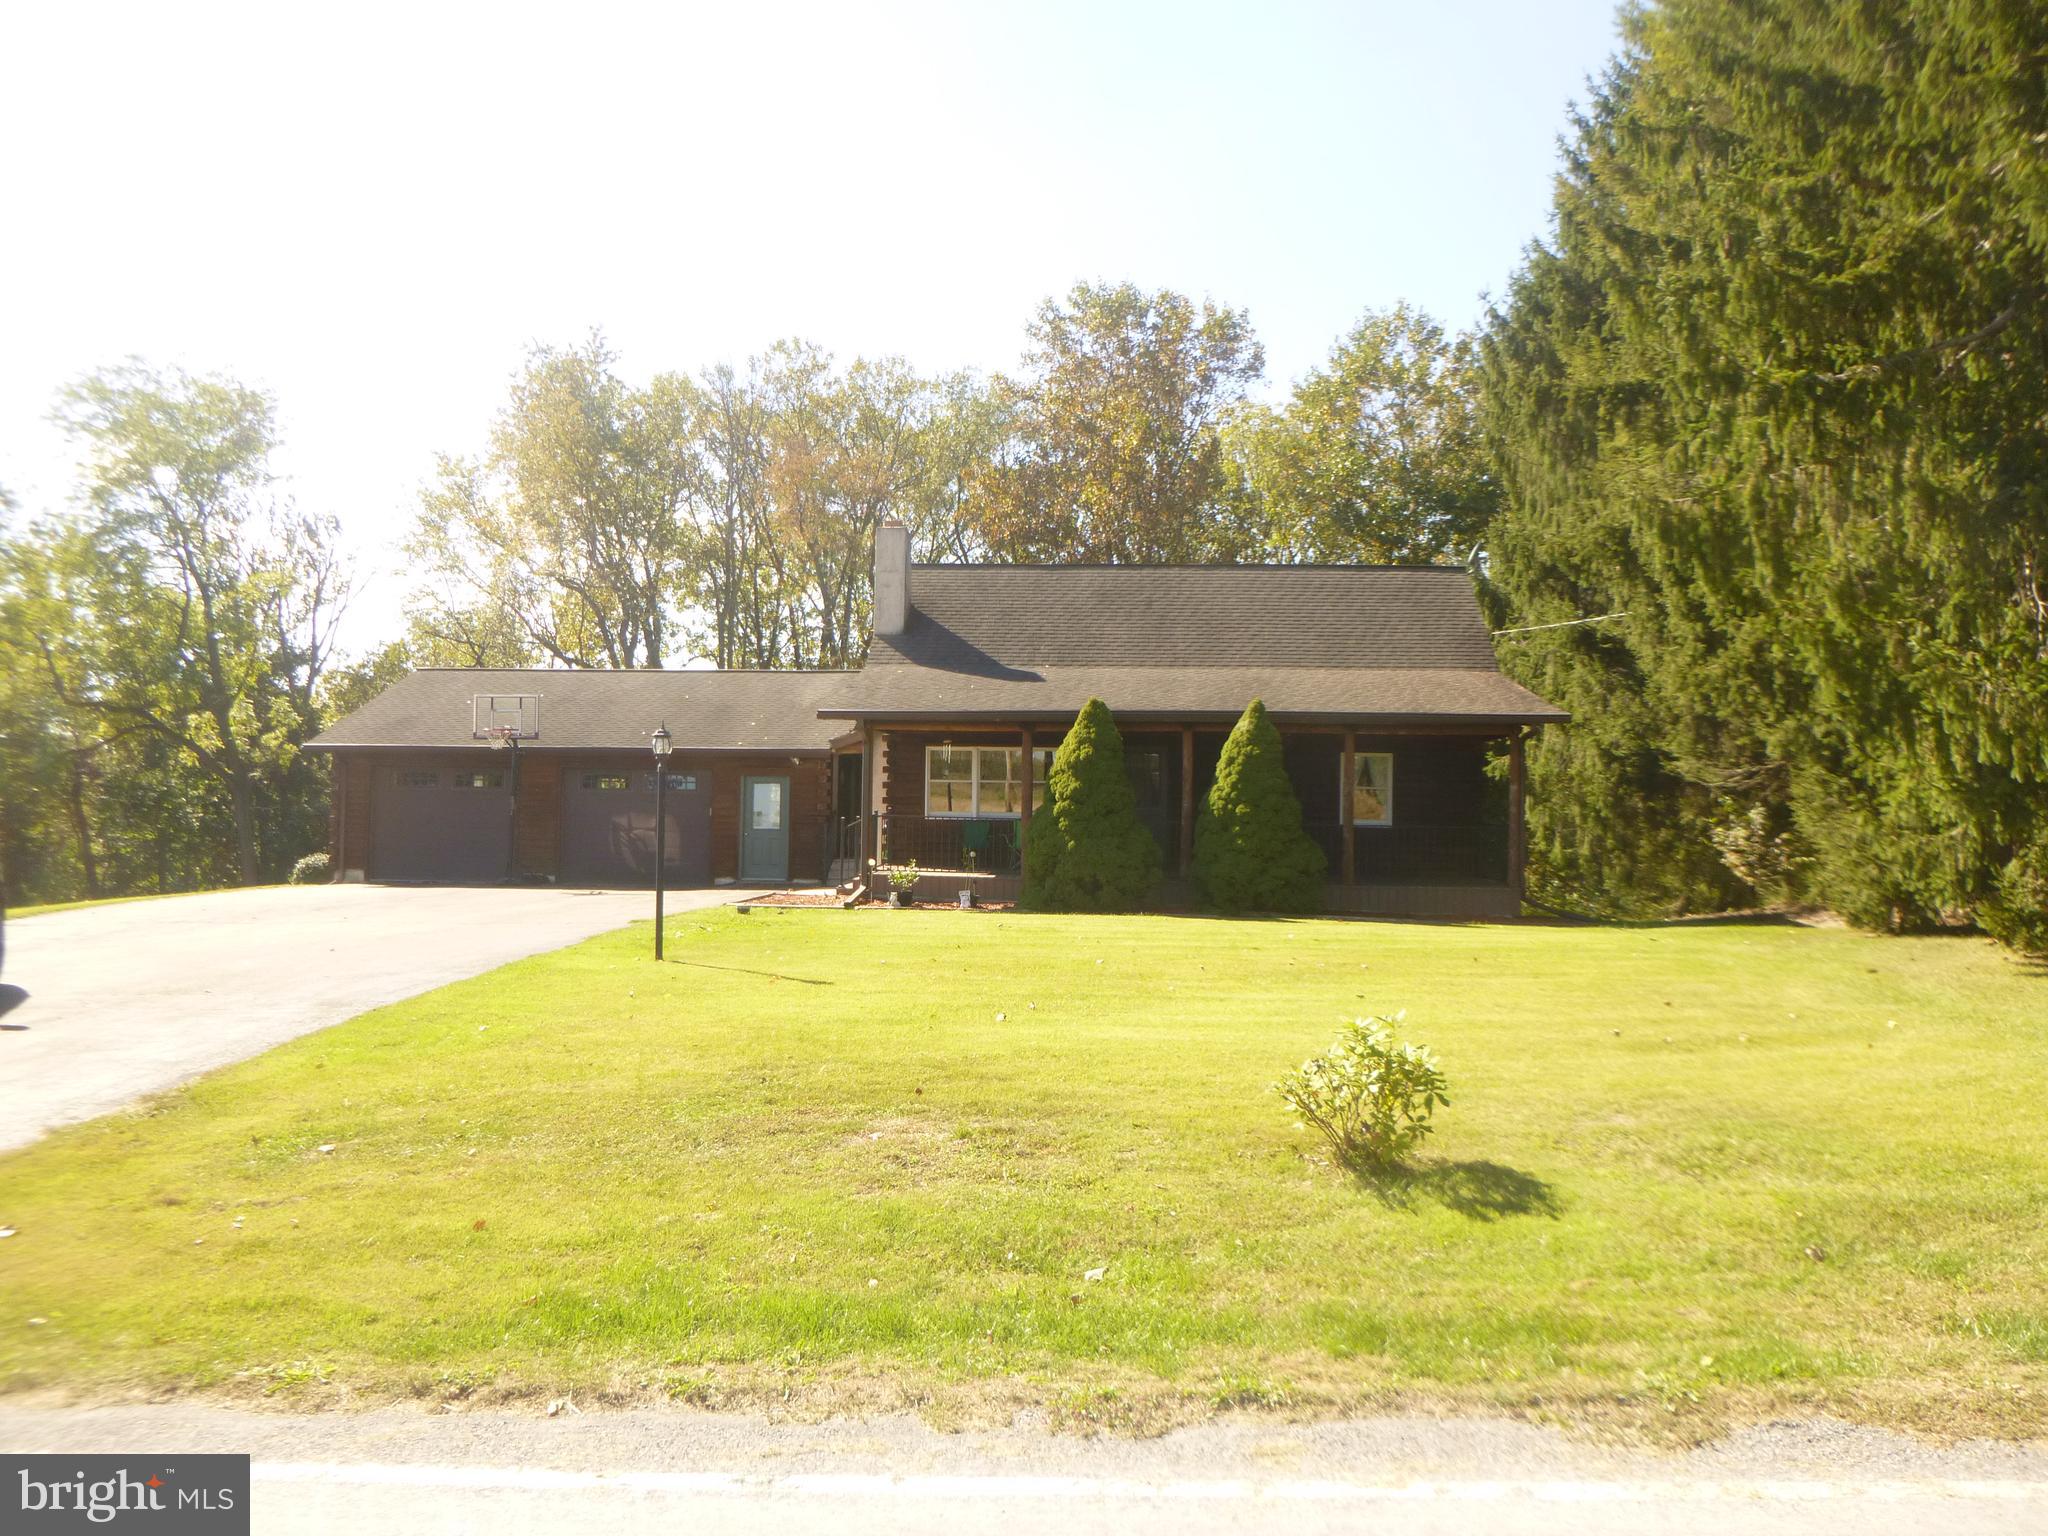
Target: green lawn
x,y
873,1156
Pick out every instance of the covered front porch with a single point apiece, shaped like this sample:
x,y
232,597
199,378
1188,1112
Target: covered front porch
x,y
1431,824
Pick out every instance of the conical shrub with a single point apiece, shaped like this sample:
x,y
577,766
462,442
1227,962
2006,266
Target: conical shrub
x,y
1251,854
1087,851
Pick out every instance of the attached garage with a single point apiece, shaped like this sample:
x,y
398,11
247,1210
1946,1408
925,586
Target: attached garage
x,y
435,819
608,827
422,792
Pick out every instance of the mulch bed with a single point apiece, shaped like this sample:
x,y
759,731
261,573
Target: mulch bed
x,y
942,906
830,899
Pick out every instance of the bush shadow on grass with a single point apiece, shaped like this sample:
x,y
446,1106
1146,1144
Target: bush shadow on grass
x,y
1477,1190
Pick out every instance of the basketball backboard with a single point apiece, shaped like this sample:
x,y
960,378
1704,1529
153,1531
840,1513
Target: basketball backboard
x,y
496,716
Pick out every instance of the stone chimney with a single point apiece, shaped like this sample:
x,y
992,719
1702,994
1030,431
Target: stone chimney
x,y
892,577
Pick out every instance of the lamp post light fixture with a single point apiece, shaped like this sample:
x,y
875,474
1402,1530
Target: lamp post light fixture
x,y
662,743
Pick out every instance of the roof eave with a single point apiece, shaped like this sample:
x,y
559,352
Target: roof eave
x,y
1223,716
812,749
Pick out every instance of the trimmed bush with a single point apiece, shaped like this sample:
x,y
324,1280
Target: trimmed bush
x,y
1370,1097
313,869
1251,854
1086,850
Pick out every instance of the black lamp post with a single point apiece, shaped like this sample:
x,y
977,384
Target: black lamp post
x,y
661,746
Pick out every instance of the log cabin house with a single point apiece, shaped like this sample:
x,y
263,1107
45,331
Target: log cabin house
x,y
1403,739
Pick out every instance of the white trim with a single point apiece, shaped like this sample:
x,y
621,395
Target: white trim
x,y
975,749
1386,789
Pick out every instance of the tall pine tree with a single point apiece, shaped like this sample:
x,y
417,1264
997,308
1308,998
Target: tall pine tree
x,y
1777,391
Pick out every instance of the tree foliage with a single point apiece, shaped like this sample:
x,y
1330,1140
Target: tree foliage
x,y
1086,850
1251,853
162,648
1113,449
1377,456
1775,391
564,540
729,516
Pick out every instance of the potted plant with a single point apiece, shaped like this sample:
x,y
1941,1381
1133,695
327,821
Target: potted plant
x,y
902,881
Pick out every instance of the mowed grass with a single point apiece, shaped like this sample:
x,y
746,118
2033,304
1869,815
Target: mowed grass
x,y
828,1152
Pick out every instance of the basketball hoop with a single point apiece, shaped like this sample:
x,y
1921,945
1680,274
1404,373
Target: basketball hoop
x,y
505,719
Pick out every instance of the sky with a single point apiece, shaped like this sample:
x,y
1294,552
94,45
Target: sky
x,y
373,212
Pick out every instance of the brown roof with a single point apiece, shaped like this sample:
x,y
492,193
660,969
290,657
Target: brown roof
x,y
1364,643
704,711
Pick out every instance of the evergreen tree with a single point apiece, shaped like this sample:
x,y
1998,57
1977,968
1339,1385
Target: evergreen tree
x,y
1251,854
1086,850
1776,392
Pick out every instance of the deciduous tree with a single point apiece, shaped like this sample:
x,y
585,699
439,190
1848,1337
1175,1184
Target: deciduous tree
x,y
1376,456
1113,450
569,532
189,603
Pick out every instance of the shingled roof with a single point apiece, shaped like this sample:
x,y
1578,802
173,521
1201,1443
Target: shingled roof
x,y
1387,644
704,711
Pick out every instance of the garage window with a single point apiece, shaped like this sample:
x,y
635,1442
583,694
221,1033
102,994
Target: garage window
x,y
416,778
494,780
676,781
607,781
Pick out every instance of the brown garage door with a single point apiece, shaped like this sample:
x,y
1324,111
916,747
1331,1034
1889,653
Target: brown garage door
x,y
438,821
608,827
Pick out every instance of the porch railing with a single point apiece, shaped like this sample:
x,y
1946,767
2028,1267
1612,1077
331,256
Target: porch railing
x,y
986,845
842,839
1454,854
1451,854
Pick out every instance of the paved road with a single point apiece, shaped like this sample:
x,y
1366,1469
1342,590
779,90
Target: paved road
x,y
611,1473
130,999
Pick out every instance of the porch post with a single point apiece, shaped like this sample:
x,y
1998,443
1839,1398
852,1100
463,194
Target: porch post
x,y
1517,831
1024,811
1346,788
1187,800
867,800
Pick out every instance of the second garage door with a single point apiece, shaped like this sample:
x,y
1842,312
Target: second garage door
x,y
608,827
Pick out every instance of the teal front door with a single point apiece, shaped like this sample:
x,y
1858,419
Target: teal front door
x,y
764,829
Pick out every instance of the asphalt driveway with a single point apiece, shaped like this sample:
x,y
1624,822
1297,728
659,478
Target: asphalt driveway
x,y
130,999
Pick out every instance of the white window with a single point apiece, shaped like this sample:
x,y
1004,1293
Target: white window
x,y
982,781
948,781
1372,789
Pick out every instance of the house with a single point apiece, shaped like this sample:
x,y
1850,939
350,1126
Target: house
x,y
1381,679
